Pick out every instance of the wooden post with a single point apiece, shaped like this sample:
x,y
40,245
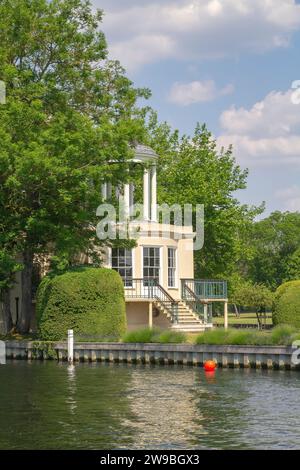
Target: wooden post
x,y
226,315
150,315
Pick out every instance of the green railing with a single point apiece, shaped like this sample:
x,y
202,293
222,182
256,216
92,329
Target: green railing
x,y
150,289
205,289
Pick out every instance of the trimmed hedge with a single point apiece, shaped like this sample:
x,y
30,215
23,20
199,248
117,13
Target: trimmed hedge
x,y
286,308
88,300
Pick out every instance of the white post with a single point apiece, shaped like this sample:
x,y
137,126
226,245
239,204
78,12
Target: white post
x,y
150,319
126,199
226,315
153,194
146,195
131,197
70,346
205,308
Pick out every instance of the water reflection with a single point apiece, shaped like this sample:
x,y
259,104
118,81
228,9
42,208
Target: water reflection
x,y
101,406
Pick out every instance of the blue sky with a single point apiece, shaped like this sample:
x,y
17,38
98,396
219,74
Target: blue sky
x,y
228,63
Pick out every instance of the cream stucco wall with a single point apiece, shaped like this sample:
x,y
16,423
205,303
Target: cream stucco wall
x,y
137,314
155,238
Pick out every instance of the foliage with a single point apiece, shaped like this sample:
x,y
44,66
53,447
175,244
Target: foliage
x,y
69,111
88,300
292,266
247,294
282,335
153,335
43,350
276,244
8,267
213,178
286,308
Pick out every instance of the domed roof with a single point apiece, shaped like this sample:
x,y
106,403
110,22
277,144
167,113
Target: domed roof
x,y
144,153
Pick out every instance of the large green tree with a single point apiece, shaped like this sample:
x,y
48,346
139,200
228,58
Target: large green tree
x,y
193,171
68,113
276,244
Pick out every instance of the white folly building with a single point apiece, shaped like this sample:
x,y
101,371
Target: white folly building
x,y
158,273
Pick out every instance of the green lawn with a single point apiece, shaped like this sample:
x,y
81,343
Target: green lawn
x,y
243,319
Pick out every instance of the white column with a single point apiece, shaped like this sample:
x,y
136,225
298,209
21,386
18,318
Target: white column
x,y
131,197
205,307
225,315
150,319
153,195
146,195
126,199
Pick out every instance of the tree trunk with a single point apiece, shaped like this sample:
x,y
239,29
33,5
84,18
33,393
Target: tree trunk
x,y
236,310
7,318
23,325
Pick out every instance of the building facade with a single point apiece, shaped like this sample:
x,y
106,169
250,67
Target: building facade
x,y
158,273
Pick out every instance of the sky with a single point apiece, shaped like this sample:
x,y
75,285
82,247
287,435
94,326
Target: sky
x,y
232,64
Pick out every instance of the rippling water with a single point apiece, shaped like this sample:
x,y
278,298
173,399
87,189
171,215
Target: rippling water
x,y
101,406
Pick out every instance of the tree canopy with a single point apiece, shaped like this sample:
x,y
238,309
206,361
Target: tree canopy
x,y
193,171
68,113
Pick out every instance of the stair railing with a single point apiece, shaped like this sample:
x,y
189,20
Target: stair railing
x,y
192,301
149,288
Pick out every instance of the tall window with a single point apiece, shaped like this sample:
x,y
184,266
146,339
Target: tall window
x,y
171,267
121,261
151,262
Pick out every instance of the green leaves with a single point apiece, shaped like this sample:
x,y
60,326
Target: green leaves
x,y
193,171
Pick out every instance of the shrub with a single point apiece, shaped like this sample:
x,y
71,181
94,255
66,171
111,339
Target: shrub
x,y
169,336
283,334
88,300
214,336
220,336
144,335
286,307
154,335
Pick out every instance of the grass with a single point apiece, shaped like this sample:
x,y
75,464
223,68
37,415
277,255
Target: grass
x,y
281,335
243,319
149,335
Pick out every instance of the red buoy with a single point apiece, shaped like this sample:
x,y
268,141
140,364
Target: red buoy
x,y
210,366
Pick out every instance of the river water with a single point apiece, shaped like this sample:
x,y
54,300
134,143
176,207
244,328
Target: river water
x,y
102,406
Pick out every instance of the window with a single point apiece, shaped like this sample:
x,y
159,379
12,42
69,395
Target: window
x,y
121,261
151,263
171,267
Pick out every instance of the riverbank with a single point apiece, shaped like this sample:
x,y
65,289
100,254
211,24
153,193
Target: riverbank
x,y
257,357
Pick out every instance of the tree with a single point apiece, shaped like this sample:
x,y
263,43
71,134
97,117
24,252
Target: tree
x,y
255,296
69,113
8,268
276,240
292,266
192,170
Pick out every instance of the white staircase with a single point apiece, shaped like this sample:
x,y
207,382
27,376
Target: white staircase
x,y
186,319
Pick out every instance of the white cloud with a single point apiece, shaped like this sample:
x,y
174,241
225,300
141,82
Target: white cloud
x,y
185,94
195,29
266,134
290,198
